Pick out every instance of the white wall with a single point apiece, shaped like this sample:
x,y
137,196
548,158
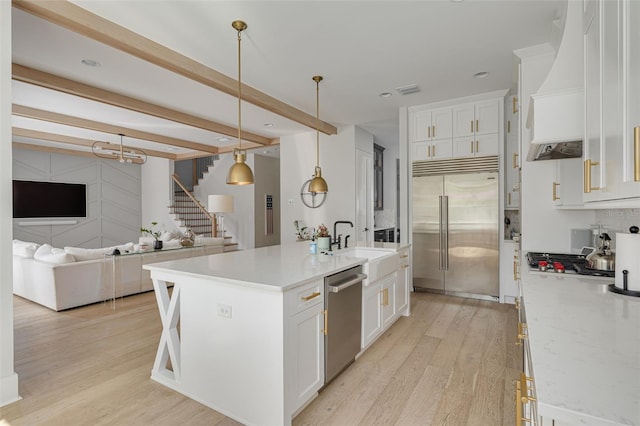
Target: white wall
x,y
297,162
544,228
8,377
240,224
157,193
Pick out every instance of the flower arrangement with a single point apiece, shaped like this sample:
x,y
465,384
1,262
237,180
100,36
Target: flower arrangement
x,y
322,231
302,232
150,231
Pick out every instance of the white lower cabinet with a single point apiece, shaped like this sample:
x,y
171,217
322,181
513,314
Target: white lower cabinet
x,y
304,353
402,283
388,302
371,312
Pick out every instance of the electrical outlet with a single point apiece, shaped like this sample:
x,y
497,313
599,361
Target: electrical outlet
x,y
224,310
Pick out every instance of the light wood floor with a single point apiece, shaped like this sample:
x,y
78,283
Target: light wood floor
x,y
453,362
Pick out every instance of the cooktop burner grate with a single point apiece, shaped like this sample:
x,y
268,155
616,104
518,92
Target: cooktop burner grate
x,y
571,262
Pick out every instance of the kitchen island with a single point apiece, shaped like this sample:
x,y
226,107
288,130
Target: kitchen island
x,y
242,331
585,349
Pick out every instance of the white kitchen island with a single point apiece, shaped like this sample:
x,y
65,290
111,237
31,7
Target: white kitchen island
x,y
585,350
242,331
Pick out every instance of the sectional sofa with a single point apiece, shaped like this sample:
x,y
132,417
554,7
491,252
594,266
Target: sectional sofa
x,y
72,276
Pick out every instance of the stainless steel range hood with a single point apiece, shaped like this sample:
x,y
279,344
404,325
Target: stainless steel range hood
x,y
556,113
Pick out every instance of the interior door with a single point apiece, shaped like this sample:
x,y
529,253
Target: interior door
x,y
472,233
427,255
364,196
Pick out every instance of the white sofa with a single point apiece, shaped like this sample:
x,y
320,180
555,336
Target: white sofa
x,y
66,278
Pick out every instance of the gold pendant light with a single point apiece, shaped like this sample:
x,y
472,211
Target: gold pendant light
x,y
318,184
240,173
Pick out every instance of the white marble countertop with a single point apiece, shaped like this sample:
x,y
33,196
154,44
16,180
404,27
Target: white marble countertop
x,y
585,349
276,268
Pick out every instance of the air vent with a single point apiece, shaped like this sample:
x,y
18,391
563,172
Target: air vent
x,y
456,165
407,90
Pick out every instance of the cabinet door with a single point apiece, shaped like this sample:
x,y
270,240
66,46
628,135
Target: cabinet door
x,y
371,313
402,284
441,124
566,189
488,144
464,147
487,117
420,126
463,120
420,151
388,300
309,353
592,145
441,148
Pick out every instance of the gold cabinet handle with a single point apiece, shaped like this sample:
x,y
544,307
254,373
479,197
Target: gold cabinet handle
x,y
518,404
555,191
517,302
311,296
515,270
429,151
522,333
433,151
515,104
477,126
636,154
405,266
385,297
325,330
434,130
508,126
525,395
404,256
477,146
429,131
471,147
587,175
471,126
515,160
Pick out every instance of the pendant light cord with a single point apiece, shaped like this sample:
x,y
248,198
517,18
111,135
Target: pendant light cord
x,y
239,94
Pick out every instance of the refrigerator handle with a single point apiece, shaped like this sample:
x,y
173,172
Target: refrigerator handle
x,y
445,234
440,233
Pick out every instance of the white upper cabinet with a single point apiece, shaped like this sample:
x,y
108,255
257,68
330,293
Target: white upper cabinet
x,y
511,155
431,125
476,129
612,112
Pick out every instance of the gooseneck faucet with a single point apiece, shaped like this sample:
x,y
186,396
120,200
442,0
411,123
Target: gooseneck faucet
x,y
338,238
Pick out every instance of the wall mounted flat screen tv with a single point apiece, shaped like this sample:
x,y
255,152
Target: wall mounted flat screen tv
x,y
49,199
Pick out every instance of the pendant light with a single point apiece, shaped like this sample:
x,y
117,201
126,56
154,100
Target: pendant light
x,y
318,184
239,173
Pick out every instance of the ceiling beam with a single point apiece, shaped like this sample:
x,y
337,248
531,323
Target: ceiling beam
x,y
54,137
83,22
61,84
56,150
55,117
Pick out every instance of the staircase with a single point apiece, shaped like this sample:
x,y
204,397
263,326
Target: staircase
x,y
189,213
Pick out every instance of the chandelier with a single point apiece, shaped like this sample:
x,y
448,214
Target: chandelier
x,y
122,153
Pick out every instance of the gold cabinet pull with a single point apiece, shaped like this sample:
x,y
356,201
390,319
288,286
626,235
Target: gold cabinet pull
x,y
405,266
471,147
325,330
434,130
515,270
515,160
385,297
587,175
517,302
429,131
404,256
518,404
636,154
429,151
515,104
508,126
522,334
525,395
477,126
433,151
555,191
477,146
471,126
311,296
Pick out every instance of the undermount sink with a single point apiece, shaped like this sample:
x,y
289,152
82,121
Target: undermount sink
x,y
379,262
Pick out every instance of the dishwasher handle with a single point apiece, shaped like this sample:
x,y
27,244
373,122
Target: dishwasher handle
x,y
338,288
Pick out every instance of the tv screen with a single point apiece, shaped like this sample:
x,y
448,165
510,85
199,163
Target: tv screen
x,y
49,199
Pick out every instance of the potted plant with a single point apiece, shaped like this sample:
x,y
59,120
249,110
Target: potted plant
x,y
157,244
323,237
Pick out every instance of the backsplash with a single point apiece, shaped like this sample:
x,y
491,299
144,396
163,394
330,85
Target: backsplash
x,y
617,220
384,218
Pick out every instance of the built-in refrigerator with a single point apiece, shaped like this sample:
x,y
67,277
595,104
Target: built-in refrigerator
x,y
456,234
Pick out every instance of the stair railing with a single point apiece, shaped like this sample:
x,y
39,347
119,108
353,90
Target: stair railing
x,y
214,225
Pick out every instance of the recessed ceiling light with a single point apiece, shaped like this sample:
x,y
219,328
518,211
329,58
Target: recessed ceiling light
x,y
385,95
481,74
223,139
90,62
268,124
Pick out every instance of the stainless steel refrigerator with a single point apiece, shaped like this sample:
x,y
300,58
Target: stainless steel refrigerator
x,y
456,233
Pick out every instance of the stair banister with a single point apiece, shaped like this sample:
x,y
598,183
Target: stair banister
x,y
212,217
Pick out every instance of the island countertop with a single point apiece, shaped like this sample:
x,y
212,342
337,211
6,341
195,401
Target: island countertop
x,y
585,349
276,268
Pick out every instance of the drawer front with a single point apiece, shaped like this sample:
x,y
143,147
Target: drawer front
x,y
305,296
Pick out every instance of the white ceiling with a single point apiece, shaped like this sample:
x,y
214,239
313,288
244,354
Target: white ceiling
x,y
362,48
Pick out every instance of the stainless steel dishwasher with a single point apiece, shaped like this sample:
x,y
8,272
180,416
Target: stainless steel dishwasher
x,y
343,306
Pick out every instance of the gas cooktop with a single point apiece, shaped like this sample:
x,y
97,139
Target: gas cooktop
x,y
576,263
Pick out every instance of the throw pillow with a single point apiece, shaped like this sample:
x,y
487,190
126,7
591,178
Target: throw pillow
x,y
83,254
24,249
46,253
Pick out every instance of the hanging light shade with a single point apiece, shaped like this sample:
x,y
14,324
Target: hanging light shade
x,y
240,173
318,184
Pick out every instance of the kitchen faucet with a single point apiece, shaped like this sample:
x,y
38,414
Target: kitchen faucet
x,y
338,238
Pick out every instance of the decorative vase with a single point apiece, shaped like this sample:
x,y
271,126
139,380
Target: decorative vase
x,y
188,239
323,243
157,245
